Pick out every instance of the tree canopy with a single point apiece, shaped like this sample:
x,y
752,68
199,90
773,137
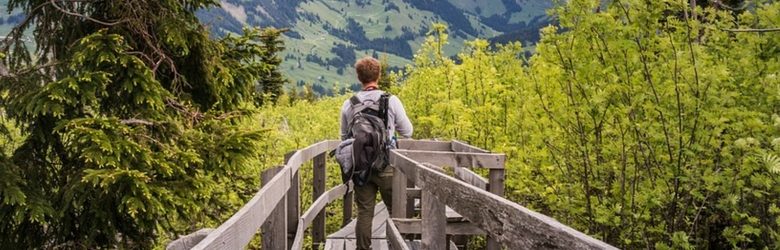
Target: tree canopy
x,y
130,114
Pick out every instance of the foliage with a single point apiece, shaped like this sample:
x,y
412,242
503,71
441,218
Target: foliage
x,y
129,118
633,122
272,81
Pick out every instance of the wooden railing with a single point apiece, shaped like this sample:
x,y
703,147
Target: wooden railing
x,y
276,207
477,200
279,200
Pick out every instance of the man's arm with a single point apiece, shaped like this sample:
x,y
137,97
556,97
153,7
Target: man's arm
x,y
344,129
402,123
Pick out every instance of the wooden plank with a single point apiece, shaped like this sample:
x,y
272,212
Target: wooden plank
x,y
406,165
318,227
316,207
310,152
293,202
410,201
496,186
335,244
414,226
452,245
237,231
459,146
274,230
348,232
188,241
394,237
457,159
434,222
379,244
468,176
427,145
413,193
514,226
399,194
350,244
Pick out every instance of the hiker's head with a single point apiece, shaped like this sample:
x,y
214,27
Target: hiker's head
x,y
368,70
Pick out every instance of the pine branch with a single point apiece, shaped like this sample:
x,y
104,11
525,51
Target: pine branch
x,y
754,30
134,121
725,6
54,3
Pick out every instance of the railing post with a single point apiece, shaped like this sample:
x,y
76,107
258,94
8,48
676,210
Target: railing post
x,y
318,226
399,194
434,222
274,230
495,186
434,218
293,203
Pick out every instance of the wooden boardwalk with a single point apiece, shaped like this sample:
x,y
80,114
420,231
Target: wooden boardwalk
x,y
345,238
435,195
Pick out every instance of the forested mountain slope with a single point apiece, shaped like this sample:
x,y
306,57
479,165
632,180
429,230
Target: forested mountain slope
x,y
326,36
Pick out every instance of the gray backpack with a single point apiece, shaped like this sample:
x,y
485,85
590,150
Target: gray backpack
x,y
370,144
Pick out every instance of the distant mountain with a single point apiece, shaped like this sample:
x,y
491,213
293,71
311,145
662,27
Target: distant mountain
x,y
326,36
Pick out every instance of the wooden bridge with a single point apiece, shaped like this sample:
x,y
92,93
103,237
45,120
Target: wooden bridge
x,y
452,205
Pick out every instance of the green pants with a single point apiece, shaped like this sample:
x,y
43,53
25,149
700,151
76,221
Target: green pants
x,y
365,198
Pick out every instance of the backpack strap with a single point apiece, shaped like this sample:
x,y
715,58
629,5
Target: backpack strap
x,y
354,100
384,100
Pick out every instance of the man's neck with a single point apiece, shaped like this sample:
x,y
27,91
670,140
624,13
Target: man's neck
x,y
370,86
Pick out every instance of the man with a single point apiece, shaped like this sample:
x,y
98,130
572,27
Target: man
x,y
368,72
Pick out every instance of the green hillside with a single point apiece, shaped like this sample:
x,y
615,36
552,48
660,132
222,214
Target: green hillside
x,y
326,36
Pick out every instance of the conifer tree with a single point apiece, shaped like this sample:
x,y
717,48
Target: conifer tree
x,y
128,111
271,82
387,79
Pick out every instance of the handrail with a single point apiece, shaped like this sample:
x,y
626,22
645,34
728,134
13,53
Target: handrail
x,y
239,230
512,225
327,198
505,222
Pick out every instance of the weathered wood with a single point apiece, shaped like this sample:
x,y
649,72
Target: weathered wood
x,y
394,236
459,146
377,224
411,202
274,230
188,241
318,227
237,231
413,193
468,176
404,167
514,226
293,202
427,145
399,194
404,164
457,159
350,244
434,222
414,226
316,207
310,152
334,245
495,186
